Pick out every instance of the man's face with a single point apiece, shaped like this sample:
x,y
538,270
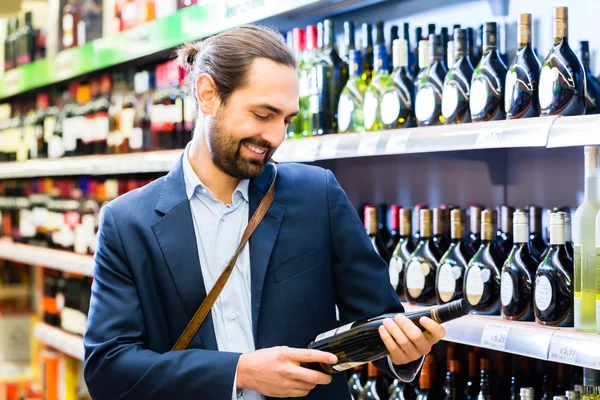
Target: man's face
x,y
244,133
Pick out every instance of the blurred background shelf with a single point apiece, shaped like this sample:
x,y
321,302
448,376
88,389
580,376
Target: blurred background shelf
x,y
60,340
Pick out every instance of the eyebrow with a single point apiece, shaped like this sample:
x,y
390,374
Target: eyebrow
x,y
276,110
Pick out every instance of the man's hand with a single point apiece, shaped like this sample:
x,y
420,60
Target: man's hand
x,y
405,341
276,372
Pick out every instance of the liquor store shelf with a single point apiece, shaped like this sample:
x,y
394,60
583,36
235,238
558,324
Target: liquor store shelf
x,y
563,345
55,259
60,340
532,132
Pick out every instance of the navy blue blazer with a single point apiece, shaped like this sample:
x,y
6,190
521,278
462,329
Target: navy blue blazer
x,y
309,253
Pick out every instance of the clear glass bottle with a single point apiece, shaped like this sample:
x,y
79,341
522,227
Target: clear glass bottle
x,y
373,96
350,106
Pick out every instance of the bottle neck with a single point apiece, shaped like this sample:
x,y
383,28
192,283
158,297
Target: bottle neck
x,y
561,30
356,64
400,56
379,59
328,37
423,54
521,233
591,185
557,234
524,35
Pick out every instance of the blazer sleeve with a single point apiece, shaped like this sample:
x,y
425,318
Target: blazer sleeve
x,y
117,363
362,283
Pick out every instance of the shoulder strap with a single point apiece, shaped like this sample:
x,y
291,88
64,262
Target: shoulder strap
x,y
196,321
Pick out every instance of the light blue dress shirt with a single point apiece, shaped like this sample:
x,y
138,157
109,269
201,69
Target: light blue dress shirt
x,y
219,228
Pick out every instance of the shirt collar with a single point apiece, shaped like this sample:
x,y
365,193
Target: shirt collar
x,y
193,183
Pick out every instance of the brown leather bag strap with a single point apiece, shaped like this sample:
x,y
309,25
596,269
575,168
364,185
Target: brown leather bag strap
x,y
196,321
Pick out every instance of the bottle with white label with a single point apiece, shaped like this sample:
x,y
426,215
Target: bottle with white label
x,y
452,265
482,278
518,274
421,267
402,252
374,94
428,100
350,106
457,84
553,295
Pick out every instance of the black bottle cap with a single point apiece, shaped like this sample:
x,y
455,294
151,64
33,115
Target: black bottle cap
x,y
491,27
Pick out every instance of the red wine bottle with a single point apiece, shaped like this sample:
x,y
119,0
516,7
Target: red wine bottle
x,y
371,226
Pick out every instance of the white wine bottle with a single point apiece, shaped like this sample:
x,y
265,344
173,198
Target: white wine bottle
x,y
584,257
359,342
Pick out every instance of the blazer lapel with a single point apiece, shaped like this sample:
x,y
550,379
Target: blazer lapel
x,y
177,240
263,239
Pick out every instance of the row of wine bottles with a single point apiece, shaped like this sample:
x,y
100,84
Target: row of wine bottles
x,y
507,271
491,376
452,84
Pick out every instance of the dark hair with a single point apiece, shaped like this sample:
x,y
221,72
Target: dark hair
x,y
227,57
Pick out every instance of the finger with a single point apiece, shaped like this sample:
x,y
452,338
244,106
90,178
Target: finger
x,y
311,356
390,344
309,376
407,346
414,334
435,330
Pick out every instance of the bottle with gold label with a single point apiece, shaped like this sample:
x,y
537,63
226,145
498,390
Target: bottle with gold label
x,y
523,77
402,252
455,97
585,227
380,81
428,101
421,267
487,85
518,273
553,294
396,110
482,278
562,79
452,265
350,106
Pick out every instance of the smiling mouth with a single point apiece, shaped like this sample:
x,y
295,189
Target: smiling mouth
x,y
255,149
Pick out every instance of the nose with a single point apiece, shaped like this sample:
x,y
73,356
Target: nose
x,y
275,134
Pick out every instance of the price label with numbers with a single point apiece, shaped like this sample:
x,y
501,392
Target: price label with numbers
x,y
490,134
305,150
397,142
329,146
368,144
495,335
563,348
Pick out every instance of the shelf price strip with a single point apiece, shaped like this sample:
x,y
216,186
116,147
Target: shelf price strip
x,y
495,335
563,348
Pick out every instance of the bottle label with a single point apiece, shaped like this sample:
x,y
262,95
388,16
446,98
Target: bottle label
x,y
449,100
548,82
543,293
333,332
370,109
390,108
415,279
136,140
474,285
446,282
425,103
26,224
126,120
346,366
81,240
479,95
345,109
511,82
394,271
506,289
313,104
68,37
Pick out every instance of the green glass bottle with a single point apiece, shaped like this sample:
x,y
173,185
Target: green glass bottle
x,y
296,128
381,80
350,110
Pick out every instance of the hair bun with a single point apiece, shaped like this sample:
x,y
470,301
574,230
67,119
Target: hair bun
x,y
186,54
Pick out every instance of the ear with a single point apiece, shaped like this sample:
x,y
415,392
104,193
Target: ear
x,y
206,94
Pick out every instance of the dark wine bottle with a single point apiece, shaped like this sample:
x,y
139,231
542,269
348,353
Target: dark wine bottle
x,y
485,390
417,221
439,226
455,97
505,238
537,244
430,30
402,252
421,268
368,56
472,385
371,226
518,273
452,376
592,86
445,38
562,79
412,56
474,239
394,225
424,61
396,107
553,295
523,76
369,390
428,101
382,221
482,278
487,85
414,68
452,265
359,342
426,389
355,383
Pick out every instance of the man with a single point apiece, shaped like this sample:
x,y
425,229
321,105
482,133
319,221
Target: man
x,y
162,247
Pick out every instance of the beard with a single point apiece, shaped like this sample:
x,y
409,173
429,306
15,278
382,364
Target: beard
x,y
226,149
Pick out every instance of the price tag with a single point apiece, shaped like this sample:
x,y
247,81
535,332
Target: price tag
x,y
563,348
490,135
329,146
397,142
305,150
368,144
494,336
